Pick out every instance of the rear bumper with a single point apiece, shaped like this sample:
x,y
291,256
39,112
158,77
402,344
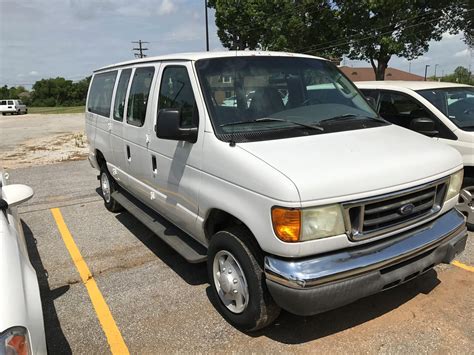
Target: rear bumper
x,y
314,285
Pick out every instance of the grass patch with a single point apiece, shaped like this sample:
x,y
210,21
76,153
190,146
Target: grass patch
x,y
50,110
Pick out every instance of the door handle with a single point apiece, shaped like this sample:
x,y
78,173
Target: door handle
x,y
129,156
153,165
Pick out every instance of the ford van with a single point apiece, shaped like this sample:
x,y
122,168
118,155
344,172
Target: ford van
x,y
298,195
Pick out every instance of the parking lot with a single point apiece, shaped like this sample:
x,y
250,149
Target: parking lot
x,y
142,296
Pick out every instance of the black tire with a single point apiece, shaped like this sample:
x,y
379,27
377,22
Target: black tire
x,y
4,114
469,183
261,310
109,202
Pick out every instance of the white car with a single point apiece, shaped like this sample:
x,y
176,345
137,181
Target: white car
x,y
302,199
13,106
443,111
21,315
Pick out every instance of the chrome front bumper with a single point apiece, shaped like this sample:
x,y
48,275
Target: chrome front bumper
x,y
299,285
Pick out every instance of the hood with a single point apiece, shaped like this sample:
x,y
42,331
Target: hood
x,y
347,163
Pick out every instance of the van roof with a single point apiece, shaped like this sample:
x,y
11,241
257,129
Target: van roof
x,y
413,85
193,56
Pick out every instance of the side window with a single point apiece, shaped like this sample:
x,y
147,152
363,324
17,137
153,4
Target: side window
x,y
10,102
176,93
100,94
400,109
119,105
3,102
138,97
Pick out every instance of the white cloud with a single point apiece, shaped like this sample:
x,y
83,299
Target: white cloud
x,y
33,73
167,7
463,53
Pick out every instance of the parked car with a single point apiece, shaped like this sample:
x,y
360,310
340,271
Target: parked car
x,y
306,205
443,111
16,107
21,320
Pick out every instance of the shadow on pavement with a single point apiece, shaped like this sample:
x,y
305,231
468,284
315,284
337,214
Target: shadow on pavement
x,y
55,339
292,329
193,274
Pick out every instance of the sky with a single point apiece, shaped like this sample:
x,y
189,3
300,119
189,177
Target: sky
x,y
70,38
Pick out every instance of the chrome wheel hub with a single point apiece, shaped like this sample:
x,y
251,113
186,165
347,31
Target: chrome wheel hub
x,y
230,282
466,203
105,186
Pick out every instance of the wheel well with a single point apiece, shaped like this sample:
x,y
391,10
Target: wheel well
x,y
469,172
100,158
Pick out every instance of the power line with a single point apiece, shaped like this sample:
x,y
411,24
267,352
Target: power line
x,y
140,49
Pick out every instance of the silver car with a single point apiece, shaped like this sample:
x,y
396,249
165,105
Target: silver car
x,y
21,320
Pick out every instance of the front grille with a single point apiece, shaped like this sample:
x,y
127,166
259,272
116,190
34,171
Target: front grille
x,y
381,214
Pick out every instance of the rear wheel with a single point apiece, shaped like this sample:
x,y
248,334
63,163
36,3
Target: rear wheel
x,y
237,281
466,202
108,186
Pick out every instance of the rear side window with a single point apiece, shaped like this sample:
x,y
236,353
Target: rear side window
x,y
3,102
138,97
10,102
100,94
176,93
119,105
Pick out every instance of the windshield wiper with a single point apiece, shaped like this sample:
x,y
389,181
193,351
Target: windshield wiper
x,y
350,116
271,119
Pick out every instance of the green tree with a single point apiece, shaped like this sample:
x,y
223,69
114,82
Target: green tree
x,y
372,30
380,29
288,25
461,75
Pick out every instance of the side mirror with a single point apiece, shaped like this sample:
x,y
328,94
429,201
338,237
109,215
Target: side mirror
x,y
168,127
15,194
424,126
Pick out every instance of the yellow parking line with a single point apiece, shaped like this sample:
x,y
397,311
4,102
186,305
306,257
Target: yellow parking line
x,y
463,266
114,337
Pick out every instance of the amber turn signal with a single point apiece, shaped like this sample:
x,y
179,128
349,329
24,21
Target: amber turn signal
x,y
286,223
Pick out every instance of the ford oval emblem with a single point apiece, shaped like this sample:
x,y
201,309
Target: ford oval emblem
x,y
406,209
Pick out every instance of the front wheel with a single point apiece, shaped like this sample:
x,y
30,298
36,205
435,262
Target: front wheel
x,y
237,281
108,187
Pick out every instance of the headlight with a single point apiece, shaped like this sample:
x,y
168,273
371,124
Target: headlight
x,y
455,183
297,225
14,341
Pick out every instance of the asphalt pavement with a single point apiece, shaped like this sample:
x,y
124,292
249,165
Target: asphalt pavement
x,y
161,304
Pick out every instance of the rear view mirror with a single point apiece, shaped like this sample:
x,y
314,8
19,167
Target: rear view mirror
x,y
424,126
168,127
16,194
372,102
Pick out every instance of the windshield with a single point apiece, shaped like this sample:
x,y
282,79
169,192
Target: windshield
x,y
255,98
456,103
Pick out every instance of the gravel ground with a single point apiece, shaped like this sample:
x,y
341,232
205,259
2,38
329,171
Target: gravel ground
x,y
36,139
161,303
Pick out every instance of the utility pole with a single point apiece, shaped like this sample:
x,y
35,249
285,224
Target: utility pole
x,y
436,65
207,27
140,49
426,70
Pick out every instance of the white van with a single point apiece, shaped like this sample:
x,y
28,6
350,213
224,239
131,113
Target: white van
x,y
307,203
16,107
443,111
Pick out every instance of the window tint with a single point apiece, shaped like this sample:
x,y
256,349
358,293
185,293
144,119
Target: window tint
x,y
400,109
10,102
3,102
138,97
119,105
176,93
100,94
